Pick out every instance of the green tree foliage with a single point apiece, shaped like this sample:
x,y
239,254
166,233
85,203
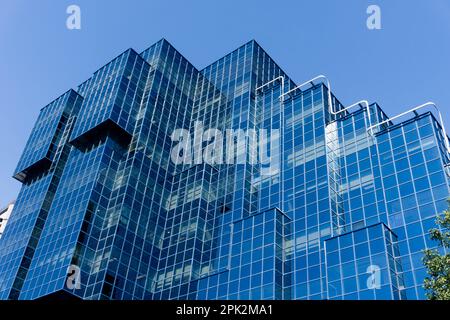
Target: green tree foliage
x,y
437,284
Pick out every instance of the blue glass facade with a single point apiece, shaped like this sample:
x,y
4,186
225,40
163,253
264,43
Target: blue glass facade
x,y
350,258
345,215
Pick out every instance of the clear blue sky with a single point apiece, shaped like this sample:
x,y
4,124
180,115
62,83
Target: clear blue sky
x,y
402,65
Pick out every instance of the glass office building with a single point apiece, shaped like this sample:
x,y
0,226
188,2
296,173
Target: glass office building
x,y
105,212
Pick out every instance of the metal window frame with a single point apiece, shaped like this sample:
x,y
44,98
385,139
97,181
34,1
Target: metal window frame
x,y
362,102
272,81
366,105
311,82
359,103
427,104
